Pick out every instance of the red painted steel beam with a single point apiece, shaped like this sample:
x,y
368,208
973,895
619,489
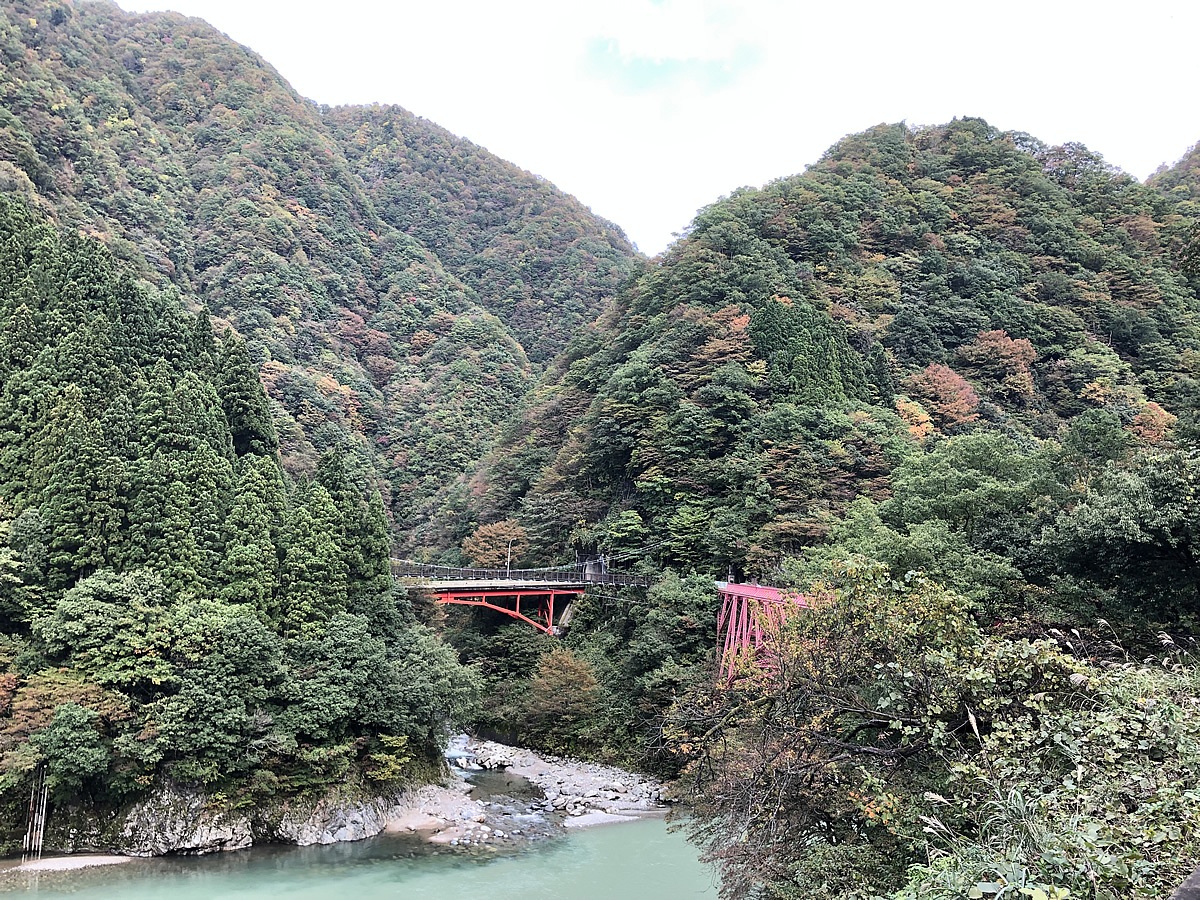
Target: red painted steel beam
x,y
501,609
750,620
503,593
482,598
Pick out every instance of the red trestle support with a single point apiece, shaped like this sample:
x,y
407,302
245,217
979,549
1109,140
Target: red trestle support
x,y
750,620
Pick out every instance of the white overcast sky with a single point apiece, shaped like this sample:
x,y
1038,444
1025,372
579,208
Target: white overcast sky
x,y
649,109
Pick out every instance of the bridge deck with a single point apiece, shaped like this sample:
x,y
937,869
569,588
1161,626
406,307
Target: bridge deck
x,y
494,585
572,576
751,591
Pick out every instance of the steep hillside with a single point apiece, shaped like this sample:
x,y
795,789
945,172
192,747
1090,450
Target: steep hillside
x,y
805,339
534,256
170,605
203,170
945,384
1180,182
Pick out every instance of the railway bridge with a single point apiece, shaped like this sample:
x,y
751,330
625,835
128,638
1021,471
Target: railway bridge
x,y
748,622
541,597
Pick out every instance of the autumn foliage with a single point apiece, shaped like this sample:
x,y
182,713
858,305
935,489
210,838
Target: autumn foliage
x,y
1002,362
950,400
497,544
1153,423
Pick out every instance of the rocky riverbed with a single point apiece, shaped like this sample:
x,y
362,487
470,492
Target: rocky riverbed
x,y
535,797
495,796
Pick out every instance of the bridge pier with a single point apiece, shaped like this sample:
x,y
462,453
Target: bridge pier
x,y
750,621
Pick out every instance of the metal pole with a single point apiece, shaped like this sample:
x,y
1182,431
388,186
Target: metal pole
x,y
41,834
27,844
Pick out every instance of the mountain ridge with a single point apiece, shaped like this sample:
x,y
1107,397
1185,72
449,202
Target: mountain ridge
x,y
204,169
945,384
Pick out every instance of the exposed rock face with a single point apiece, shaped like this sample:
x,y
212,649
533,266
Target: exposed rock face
x,y
328,820
1190,889
182,820
176,820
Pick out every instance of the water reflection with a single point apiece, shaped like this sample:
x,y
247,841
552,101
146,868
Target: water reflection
x,y
615,863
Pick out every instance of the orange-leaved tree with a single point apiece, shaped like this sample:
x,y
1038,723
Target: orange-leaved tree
x,y
563,698
946,395
497,544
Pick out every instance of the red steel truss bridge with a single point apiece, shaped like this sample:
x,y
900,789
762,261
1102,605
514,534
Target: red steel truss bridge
x,y
749,623
540,597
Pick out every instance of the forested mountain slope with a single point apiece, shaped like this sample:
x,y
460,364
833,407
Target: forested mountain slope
x,y
203,170
535,256
171,603
945,384
1180,182
805,339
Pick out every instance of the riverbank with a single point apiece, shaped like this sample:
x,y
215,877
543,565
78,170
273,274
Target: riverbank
x,y
574,787
494,796
65,863
537,797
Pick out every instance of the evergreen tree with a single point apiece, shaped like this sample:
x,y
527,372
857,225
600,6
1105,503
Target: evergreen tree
x,y
275,495
351,528
12,589
809,359
150,479
84,359
159,421
20,425
56,413
201,414
244,401
132,314
209,482
84,506
879,376
177,557
202,346
170,333
376,550
19,343
314,571
250,566
118,423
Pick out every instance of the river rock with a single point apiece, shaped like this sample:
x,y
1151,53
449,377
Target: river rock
x,y
598,818
329,820
415,821
179,820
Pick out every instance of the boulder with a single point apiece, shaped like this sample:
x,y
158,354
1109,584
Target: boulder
x,y
179,820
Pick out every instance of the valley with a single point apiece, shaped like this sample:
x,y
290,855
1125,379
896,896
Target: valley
x,y
872,496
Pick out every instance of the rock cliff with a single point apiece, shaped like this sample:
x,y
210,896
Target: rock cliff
x,y
176,819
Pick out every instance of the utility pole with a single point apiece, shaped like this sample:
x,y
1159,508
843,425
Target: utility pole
x,y
508,564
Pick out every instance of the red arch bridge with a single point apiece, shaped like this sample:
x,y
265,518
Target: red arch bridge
x,y
541,597
749,620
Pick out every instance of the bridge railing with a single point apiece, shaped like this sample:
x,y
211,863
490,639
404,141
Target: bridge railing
x,y
402,568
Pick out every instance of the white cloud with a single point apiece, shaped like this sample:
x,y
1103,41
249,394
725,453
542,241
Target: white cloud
x,y
648,110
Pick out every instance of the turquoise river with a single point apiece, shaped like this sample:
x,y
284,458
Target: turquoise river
x,y
620,862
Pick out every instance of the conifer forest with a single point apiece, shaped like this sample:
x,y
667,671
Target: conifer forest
x,y
944,384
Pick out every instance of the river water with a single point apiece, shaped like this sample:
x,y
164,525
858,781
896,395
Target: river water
x,y
635,861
